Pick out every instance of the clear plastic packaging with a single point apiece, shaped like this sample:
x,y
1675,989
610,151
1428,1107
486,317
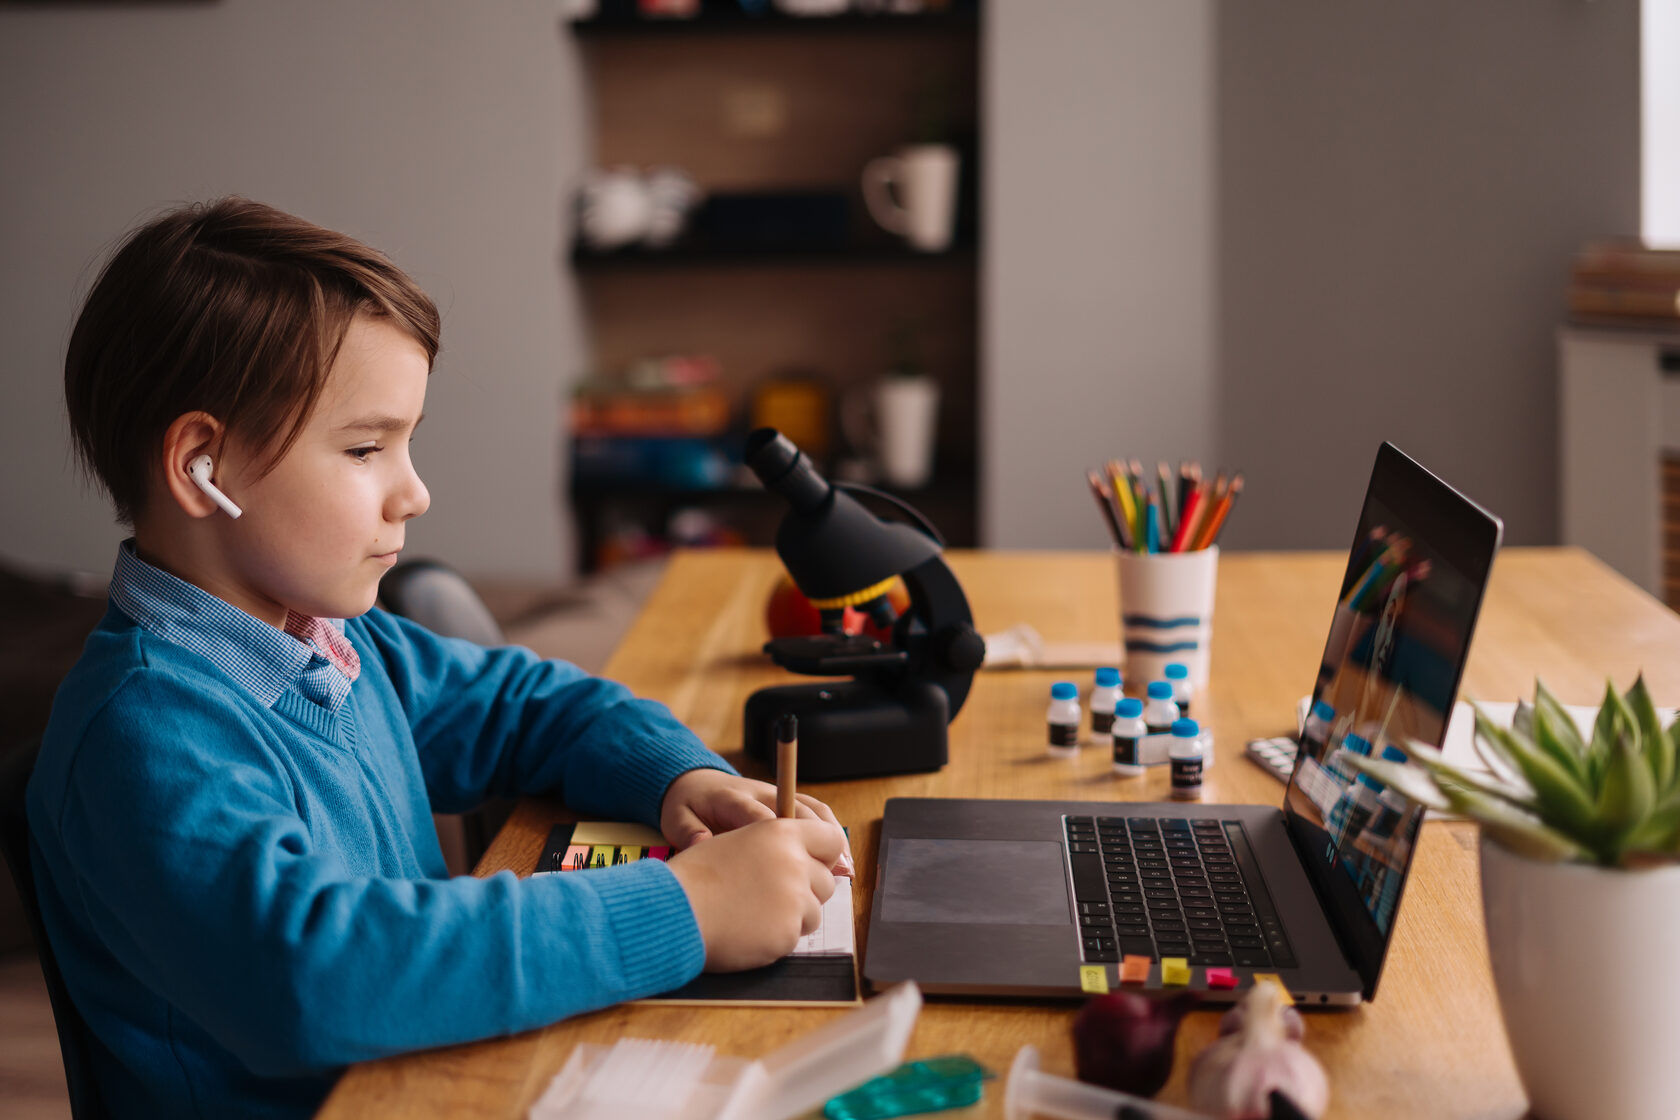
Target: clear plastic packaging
x,y
648,1079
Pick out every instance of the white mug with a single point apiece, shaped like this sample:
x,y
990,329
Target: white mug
x,y
924,177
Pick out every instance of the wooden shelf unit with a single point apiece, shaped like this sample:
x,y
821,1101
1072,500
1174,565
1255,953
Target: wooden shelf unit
x,y
777,104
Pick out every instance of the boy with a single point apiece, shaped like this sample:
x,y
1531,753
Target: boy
x,y
231,809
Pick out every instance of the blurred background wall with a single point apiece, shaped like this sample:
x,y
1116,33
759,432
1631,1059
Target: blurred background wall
x,y
1268,235
438,131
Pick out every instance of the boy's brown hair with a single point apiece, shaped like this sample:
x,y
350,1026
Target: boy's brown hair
x,y
232,308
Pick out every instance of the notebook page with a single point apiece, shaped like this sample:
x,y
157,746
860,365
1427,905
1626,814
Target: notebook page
x,y
834,937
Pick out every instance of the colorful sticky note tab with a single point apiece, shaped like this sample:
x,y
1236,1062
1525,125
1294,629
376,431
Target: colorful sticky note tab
x,y
628,853
659,851
1134,968
601,855
1175,972
1274,978
1093,978
1221,978
576,859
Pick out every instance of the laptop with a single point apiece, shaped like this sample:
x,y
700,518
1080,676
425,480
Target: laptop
x,y
1029,898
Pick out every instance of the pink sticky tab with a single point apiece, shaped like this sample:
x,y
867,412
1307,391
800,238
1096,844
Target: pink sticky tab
x,y
577,858
1221,978
660,851
1134,969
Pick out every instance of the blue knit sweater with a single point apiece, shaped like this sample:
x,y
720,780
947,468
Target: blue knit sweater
x,y
244,898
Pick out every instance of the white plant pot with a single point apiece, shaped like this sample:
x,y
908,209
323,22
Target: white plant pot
x,y
907,417
1584,962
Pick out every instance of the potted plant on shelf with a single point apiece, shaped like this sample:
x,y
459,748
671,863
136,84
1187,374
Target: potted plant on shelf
x,y
1580,859
907,411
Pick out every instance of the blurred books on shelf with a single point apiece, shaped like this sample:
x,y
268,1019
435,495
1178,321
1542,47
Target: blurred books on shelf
x,y
662,412
1625,282
663,423
668,462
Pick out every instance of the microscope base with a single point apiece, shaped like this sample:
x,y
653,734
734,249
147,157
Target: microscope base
x,y
852,728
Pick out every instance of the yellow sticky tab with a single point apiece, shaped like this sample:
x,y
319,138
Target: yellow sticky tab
x,y
1274,978
1093,978
601,855
1175,972
628,853
614,833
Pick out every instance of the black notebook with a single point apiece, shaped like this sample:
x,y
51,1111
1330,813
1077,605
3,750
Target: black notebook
x,y
822,970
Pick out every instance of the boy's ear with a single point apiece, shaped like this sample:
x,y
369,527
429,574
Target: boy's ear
x,y
190,435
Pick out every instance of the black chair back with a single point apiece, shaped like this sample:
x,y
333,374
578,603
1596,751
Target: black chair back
x,y
74,1038
440,599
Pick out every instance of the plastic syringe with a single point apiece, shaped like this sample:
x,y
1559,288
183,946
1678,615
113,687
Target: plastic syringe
x,y
1031,1093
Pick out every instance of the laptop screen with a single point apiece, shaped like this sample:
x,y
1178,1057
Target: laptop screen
x,y
1390,673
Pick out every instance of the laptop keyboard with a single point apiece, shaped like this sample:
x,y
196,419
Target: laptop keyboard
x,y
1172,888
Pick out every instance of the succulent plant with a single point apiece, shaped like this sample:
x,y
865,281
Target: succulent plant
x,y
1549,794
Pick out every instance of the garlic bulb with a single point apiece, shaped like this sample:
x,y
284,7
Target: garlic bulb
x,y
1235,1076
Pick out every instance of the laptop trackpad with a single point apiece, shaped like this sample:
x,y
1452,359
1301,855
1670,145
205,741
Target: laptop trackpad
x,y
963,881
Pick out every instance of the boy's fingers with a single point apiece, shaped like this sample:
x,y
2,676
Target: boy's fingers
x,y
822,882
823,841
810,806
811,919
844,864
687,829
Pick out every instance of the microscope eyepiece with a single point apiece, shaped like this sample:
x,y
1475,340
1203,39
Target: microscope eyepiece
x,y
785,470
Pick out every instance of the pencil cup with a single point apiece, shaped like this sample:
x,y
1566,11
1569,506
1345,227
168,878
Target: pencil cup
x,y
1166,612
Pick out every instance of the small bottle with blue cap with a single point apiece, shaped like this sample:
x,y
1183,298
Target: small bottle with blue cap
x,y
1065,719
1158,717
1128,734
1185,755
1104,696
1178,675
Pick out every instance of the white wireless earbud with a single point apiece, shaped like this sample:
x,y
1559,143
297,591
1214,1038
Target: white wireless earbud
x,y
199,471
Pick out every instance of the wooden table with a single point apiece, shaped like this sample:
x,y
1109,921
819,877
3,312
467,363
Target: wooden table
x,y
1430,1045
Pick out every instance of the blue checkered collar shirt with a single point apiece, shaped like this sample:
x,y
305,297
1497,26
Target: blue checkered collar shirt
x,y
265,661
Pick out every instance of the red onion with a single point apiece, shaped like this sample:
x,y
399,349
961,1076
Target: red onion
x,y
1124,1040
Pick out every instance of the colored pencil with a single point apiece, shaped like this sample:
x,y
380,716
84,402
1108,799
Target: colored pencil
x,y
1105,503
1123,495
1202,503
1221,510
1169,499
1142,499
1187,520
1180,512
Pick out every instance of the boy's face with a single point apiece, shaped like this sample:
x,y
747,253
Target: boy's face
x,y
323,526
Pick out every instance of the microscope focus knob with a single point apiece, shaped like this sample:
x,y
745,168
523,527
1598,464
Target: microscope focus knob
x,y
962,648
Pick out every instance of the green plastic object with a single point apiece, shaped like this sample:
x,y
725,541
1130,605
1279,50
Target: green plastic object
x,y
929,1085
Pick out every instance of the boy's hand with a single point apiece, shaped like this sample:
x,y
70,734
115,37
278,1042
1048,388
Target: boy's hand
x,y
755,890
702,803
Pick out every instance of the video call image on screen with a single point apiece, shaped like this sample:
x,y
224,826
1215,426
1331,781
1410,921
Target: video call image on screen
x,y
1388,675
